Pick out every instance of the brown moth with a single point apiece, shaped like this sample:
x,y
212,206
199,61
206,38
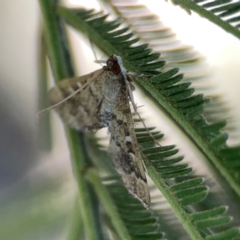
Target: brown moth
x,y
101,99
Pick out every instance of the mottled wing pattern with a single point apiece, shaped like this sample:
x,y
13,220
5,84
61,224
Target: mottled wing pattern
x,y
124,148
81,110
104,102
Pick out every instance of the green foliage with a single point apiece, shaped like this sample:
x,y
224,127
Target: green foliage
x,y
116,214
175,97
224,13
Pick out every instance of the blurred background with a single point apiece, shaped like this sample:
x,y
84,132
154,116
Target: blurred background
x,y
37,191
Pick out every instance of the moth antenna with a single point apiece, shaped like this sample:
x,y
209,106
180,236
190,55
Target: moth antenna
x,y
95,55
44,111
150,134
100,61
124,73
135,109
140,74
93,50
133,73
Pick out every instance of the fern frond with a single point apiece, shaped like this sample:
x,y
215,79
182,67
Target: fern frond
x,y
182,191
130,219
166,217
219,109
224,13
163,166
131,211
161,39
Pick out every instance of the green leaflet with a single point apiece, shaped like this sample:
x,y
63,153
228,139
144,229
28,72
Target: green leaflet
x,y
183,193
215,11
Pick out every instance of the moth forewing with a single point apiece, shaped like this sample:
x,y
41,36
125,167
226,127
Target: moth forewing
x,y
123,146
125,151
80,111
104,102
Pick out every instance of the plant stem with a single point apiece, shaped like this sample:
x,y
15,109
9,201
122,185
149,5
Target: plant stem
x,y
76,224
61,63
44,128
88,204
56,39
108,204
173,201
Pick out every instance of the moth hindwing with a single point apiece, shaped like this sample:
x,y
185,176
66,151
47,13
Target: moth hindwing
x,y
104,102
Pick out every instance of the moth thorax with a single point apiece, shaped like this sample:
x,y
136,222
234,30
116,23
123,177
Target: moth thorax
x,y
113,65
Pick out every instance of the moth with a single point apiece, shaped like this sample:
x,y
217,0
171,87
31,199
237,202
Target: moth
x,y
101,99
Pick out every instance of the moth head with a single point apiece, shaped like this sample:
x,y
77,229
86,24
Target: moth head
x,y
113,64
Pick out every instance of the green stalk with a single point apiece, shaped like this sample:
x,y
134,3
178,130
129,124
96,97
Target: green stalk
x,y
44,127
88,204
62,67
176,206
75,231
200,142
108,204
56,39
